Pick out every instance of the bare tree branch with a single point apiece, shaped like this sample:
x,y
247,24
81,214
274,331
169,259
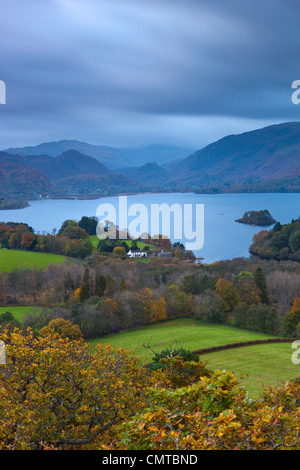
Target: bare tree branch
x,y
170,355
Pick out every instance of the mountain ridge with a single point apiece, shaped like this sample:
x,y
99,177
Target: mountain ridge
x,y
114,158
269,153
261,160
68,164
19,180
69,173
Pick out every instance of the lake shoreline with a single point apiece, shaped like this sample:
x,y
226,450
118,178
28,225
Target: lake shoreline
x,y
224,239
95,197
157,191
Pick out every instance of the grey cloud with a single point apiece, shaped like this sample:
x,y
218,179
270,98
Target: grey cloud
x,y
76,65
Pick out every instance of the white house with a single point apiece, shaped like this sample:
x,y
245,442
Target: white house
x,y
137,254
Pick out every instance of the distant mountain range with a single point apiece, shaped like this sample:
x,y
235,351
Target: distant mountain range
x,y
71,173
113,158
54,149
263,160
68,164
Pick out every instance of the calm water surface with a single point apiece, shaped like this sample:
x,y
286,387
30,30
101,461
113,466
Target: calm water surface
x,y
223,237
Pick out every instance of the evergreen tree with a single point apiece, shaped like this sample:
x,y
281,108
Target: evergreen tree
x,y
240,315
100,285
85,288
89,224
260,281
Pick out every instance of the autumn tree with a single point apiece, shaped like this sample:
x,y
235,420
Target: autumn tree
x,y
179,304
67,223
214,413
179,252
28,241
64,328
3,230
228,293
143,299
56,394
291,319
15,240
149,308
119,251
110,304
247,287
161,241
158,310
74,232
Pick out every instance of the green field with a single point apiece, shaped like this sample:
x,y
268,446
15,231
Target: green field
x,y
190,334
15,259
19,312
94,239
268,364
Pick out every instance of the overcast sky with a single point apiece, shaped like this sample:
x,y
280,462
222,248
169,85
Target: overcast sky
x,y
135,72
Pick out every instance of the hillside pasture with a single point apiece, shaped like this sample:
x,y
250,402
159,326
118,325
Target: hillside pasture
x,y
17,259
190,334
263,364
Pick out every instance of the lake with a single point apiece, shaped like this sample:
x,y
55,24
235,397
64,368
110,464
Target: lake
x,y
223,237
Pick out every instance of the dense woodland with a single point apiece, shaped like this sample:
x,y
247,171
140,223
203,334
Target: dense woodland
x,y
281,243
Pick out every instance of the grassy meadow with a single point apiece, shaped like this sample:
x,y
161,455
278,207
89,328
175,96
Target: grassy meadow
x,y
16,259
19,311
260,364
257,365
190,334
264,364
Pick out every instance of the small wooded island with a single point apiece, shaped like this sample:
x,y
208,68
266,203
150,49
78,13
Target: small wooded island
x,y
262,218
